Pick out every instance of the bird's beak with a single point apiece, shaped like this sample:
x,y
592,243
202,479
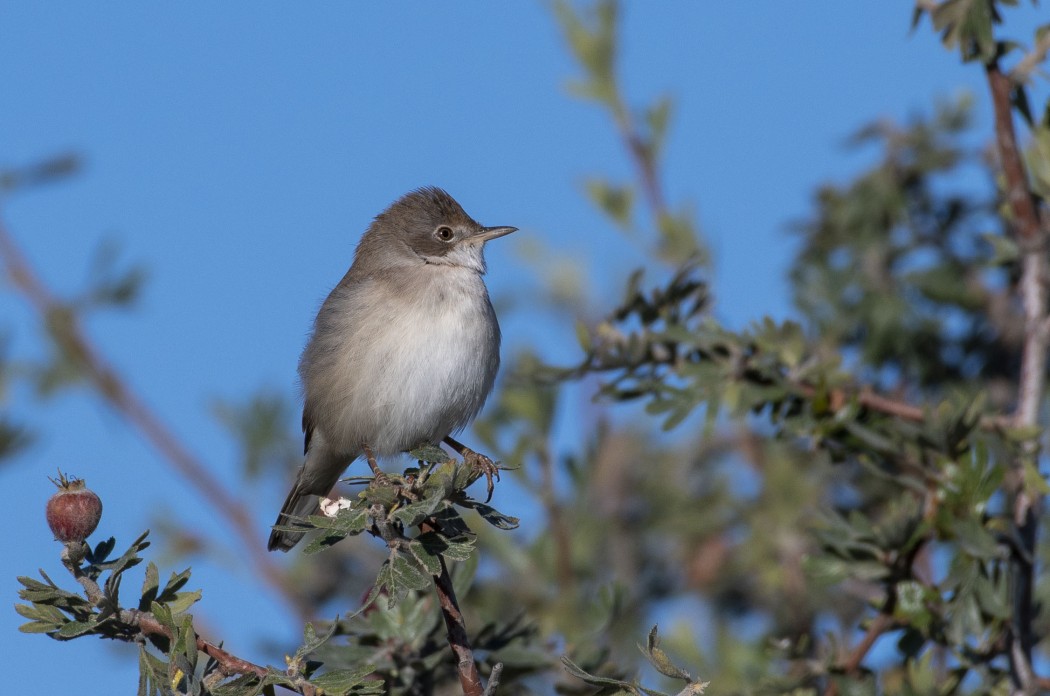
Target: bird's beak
x,y
488,233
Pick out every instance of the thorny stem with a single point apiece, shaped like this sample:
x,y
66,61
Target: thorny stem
x,y
116,392
1031,386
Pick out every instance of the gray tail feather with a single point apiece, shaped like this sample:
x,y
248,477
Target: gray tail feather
x,y
318,474
299,505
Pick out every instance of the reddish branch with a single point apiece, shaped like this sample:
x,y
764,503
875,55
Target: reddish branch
x,y
851,665
884,404
73,342
469,678
879,625
229,664
456,627
838,398
1033,245
146,624
1031,386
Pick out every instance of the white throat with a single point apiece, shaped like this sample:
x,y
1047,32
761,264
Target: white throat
x,y
470,256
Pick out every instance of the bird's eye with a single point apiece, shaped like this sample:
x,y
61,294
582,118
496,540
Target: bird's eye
x,y
444,233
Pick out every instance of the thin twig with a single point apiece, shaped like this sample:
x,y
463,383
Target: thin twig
x,y
229,664
116,392
883,621
643,162
851,665
879,625
497,672
1022,72
869,399
837,398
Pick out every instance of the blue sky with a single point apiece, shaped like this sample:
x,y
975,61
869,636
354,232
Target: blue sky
x,y
237,150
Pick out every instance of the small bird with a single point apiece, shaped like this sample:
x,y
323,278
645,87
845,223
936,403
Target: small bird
x,y
404,351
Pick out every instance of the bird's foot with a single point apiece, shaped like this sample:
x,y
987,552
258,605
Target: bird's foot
x,y
482,466
381,479
479,464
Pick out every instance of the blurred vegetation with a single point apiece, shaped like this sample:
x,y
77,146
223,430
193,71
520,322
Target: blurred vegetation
x,y
835,508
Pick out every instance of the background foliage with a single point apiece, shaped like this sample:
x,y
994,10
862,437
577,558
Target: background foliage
x,y
850,501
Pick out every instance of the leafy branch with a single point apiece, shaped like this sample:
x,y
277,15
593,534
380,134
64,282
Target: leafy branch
x,y
426,498
970,27
944,451
172,656
592,38
656,657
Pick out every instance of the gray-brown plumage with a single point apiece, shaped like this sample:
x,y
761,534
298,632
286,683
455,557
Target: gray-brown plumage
x,y
403,351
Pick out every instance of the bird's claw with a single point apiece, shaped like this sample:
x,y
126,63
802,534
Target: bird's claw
x,y
482,466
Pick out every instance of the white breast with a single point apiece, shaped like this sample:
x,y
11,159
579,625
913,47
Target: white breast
x,y
402,364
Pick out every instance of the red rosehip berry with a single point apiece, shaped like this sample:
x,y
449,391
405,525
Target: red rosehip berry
x,y
73,512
